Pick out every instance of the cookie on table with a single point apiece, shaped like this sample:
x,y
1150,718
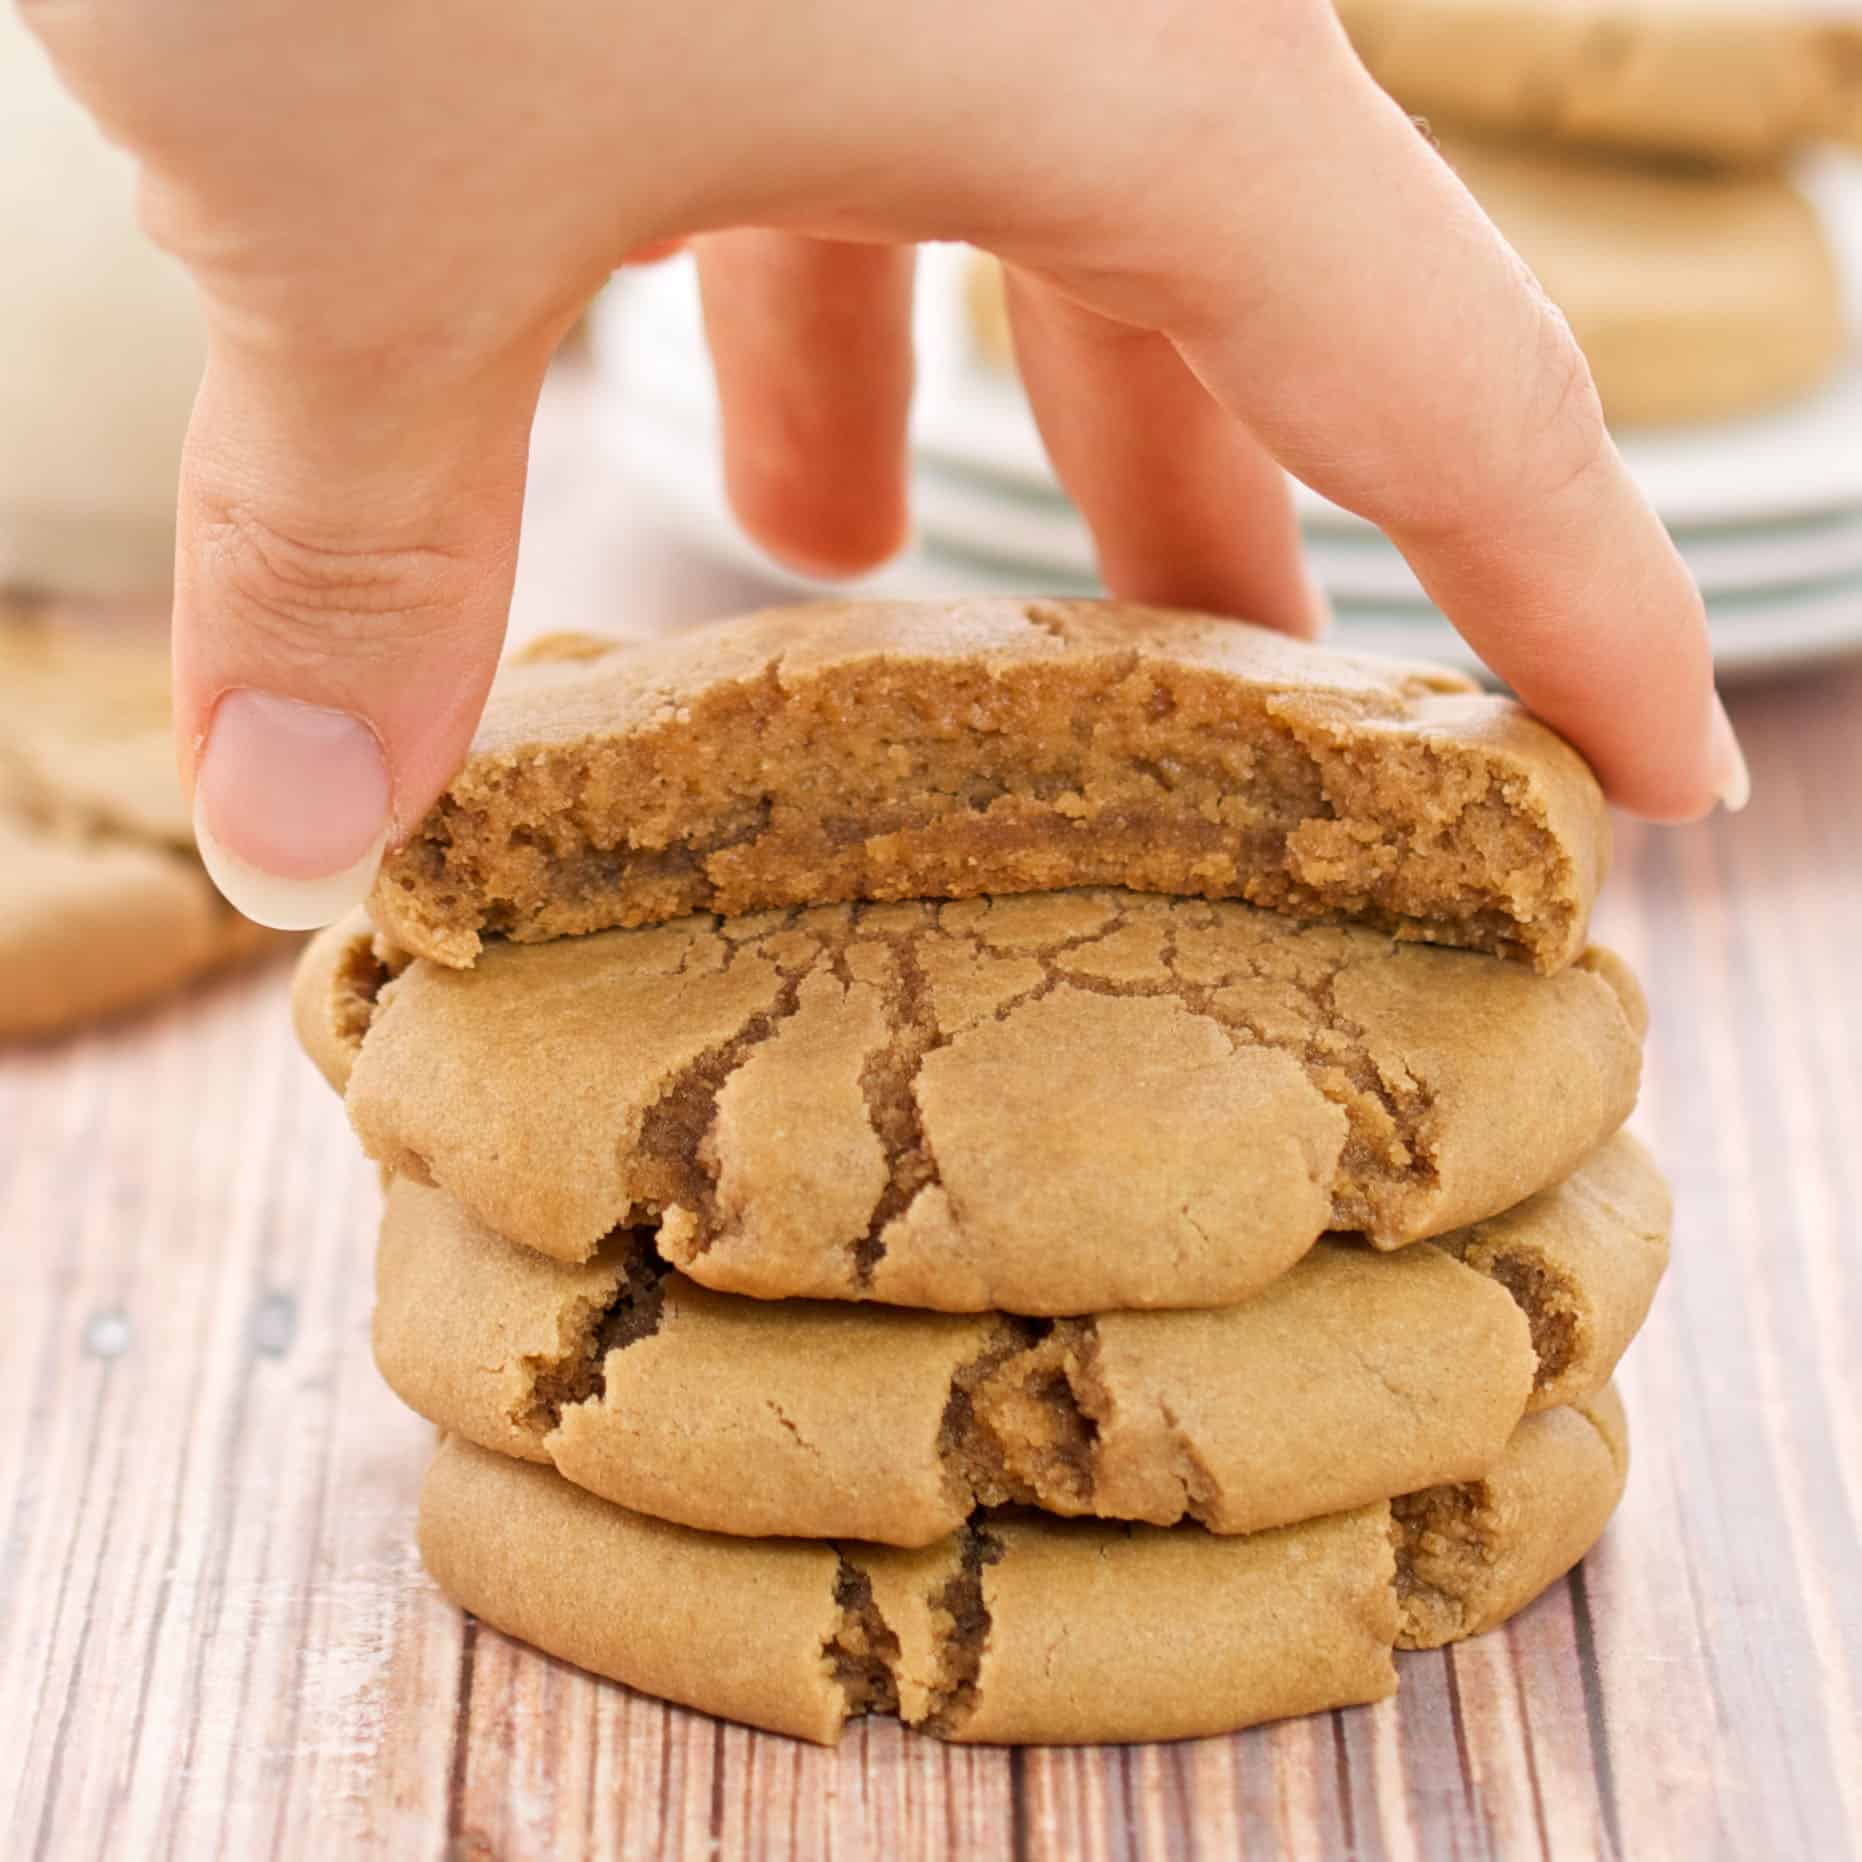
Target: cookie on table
x,y
1693,295
892,750
106,904
1048,1104
1019,1629
1711,80
1354,1376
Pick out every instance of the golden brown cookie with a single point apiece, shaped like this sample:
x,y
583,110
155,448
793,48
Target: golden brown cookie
x,y
1583,1261
1020,1630
106,905
1470,1556
1354,1376
1693,295
888,750
1057,1103
1712,80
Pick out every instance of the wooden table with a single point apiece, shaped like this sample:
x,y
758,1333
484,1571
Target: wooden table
x,y
215,1639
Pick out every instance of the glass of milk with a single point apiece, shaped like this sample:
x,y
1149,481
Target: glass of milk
x,y
100,351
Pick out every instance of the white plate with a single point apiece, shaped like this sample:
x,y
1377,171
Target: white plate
x,y
1011,520
1784,466
982,517
1760,632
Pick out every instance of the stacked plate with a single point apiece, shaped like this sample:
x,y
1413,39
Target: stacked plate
x,y
1767,510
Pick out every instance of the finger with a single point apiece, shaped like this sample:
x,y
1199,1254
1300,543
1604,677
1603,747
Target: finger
x,y
1186,508
1349,302
347,540
811,341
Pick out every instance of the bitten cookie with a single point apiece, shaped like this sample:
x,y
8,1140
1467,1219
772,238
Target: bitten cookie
x,y
106,905
888,750
1058,1103
1354,1376
1021,1630
1715,80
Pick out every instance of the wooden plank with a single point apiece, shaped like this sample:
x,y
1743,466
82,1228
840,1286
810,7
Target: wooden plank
x,y
215,1638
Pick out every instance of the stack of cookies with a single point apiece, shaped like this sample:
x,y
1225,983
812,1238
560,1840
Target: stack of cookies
x,y
1049,1168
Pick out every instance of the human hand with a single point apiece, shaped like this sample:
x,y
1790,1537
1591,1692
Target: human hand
x,y
1228,252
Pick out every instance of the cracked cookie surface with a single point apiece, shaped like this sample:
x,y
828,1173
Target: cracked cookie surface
x,y
1047,1104
1735,83
106,905
887,750
1017,1629
1354,1376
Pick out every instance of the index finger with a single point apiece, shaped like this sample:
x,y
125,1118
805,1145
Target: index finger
x,y
1350,302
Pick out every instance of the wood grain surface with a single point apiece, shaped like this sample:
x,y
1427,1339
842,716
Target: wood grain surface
x,y
215,1639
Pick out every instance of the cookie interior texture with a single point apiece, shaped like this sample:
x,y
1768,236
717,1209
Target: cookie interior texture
x,y
1050,1104
1354,1376
1721,82
876,750
1020,1629
106,904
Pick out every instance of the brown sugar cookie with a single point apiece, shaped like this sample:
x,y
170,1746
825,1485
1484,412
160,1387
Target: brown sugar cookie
x,y
106,905
887,750
1354,1376
91,927
1582,1260
1471,1555
1711,80
1693,295
1019,1629
1050,1104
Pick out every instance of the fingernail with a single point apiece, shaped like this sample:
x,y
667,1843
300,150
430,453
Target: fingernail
x,y
1730,773
291,809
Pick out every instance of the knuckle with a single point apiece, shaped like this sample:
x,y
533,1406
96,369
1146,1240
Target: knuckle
x,y
1561,435
1542,437
313,595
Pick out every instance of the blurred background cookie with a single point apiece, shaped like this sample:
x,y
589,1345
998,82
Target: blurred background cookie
x,y
106,904
1740,83
1694,293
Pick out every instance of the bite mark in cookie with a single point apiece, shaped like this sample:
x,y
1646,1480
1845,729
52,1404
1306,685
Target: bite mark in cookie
x,y
941,750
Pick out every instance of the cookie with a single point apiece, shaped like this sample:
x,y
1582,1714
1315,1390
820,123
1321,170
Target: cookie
x,y
895,750
1050,1104
1693,295
106,904
1721,82
1021,1630
1353,1377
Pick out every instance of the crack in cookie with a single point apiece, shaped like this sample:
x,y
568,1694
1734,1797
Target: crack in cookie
x,y
1052,1104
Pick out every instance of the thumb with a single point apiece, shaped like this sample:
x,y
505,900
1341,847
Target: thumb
x,y
347,538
